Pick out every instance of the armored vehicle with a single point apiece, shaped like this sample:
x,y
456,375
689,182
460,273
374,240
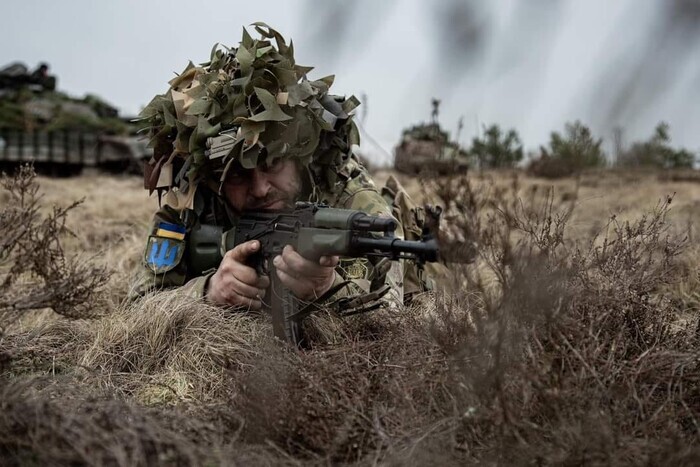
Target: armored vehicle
x,y
16,75
426,149
60,134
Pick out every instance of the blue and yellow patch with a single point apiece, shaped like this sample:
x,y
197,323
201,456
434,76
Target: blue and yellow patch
x,y
163,253
167,230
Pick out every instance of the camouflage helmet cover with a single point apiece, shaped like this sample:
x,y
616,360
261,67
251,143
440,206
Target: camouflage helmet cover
x,y
255,104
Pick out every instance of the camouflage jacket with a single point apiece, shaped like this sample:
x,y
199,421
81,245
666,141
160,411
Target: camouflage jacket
x,y
359,282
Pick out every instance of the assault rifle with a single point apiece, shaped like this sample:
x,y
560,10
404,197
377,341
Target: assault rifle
x,y
314,230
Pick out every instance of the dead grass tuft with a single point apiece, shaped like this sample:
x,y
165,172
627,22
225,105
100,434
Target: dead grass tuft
x,y
171,344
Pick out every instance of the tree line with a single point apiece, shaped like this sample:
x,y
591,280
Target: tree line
x,y
575,149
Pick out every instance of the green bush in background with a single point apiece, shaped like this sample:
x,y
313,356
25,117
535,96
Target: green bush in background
x,y
657,152
568,153
497,149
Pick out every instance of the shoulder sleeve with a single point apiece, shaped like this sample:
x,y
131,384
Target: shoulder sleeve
x,y
162,265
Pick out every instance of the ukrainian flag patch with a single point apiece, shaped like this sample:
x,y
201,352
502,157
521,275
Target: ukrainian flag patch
x,y
163,254
167,230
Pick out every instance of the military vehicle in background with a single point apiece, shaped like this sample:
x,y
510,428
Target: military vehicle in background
x,y
16,75
426,149
59,134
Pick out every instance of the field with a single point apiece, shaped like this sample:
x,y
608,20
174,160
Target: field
x,y
571,338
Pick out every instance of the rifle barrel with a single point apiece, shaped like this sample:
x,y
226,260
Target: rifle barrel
x,y
427,251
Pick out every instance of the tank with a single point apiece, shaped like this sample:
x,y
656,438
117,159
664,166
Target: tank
x,y
61,135
426,149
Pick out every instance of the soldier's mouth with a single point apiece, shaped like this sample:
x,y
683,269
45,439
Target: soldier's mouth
x,y
275,205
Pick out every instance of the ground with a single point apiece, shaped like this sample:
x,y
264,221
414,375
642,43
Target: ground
x,y
571,339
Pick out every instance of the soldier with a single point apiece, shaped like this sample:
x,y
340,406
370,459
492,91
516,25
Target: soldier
x,y
245,131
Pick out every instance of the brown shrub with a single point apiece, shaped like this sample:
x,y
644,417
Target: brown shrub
x,y
573,356
36,273
351,402
549,167
85,427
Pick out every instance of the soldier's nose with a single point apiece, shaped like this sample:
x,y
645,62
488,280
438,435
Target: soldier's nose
x,y
259,184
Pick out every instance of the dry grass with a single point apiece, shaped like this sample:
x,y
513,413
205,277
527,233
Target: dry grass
x,y
109,225
168,349
573,339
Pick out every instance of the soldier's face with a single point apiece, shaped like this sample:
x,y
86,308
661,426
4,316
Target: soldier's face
x,y
274,187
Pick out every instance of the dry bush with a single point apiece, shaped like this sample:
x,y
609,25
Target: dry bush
x,y
350,402
546,166
35,270
574,356
70,423
84,427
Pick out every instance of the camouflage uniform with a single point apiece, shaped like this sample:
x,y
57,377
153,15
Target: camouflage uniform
x,y
248,106
358,278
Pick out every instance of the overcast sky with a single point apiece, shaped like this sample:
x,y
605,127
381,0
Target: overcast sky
x,y
528,64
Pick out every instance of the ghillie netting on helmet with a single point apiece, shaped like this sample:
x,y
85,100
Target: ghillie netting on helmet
x,y
247,106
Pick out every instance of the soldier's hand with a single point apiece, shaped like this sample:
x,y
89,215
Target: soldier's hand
x,y
235,283
306,279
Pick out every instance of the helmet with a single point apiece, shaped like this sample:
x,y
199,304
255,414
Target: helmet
x,y
247,106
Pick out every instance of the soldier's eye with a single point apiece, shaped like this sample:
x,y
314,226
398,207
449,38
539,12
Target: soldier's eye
x,y
238,177
274,167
